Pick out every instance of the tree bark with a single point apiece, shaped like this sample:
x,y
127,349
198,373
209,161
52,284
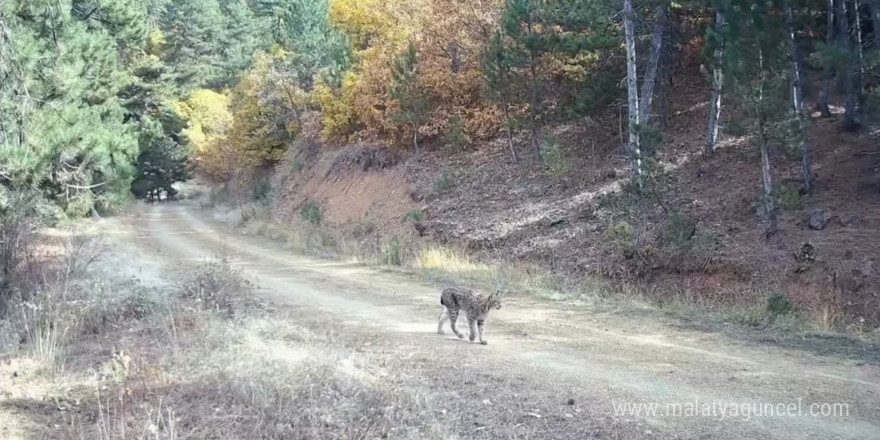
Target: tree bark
x,y
632,89
828,72
844,39
717,82
416,139
509,132
875,20
860,49
797,98
533,107
647,93
766,170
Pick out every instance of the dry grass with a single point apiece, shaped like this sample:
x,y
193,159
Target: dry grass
x,y
210,361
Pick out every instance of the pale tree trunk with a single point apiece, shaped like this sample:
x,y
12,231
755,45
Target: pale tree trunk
x,y
797,98
509,132
828,72
767,175
647,93
844,39
717,82
632,90
415,139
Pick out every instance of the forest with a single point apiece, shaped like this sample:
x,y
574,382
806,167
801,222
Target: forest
x,y
227,219
103,98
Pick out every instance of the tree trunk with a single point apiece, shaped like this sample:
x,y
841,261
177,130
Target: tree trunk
x,y
860,50
875,20
766,171
533,106
509,133
415,139
828,72
844,39
647,93
717,81
632,89
797,98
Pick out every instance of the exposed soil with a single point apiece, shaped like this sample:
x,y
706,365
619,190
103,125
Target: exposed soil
x,y
551,370
482,201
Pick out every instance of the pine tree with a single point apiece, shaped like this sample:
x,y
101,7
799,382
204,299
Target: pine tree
x,y
498,72
302,27
414,105
194,31
521,20
74,141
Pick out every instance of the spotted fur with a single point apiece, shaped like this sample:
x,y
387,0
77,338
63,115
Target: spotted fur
x,y
475,305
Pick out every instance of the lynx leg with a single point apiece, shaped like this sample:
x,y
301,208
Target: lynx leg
x,y
453,317
444,316
471,325
480,323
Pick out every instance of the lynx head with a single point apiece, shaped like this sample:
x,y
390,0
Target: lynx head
x,y
494,299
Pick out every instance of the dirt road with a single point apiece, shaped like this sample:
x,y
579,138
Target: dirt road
x,y
551,370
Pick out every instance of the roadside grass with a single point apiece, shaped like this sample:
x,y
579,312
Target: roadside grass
x,y
97,354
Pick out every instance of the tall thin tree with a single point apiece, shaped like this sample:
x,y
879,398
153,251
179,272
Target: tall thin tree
x,y
763,143
717,83
828,69
632,89
797,99
844,14
647,93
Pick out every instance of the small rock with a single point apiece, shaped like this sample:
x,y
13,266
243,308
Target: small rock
x,y
819,219
569,415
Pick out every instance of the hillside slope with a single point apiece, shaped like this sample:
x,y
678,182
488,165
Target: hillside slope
x,y
494,208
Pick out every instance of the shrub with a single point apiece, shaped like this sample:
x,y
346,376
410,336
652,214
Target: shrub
x,y
394,253
552,156
414,216
778,304
620,234
455,137
311,212
788,195
444,183
679,229
18,223
216,285
262,190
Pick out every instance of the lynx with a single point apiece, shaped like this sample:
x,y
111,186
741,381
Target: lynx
x,y
476,305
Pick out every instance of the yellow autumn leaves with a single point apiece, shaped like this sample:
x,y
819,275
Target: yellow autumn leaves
x,y
249,126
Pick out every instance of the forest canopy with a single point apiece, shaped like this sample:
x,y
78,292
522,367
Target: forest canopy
x,y
102,98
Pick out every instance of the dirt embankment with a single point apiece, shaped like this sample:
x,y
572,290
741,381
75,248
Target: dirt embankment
x,y
697,235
